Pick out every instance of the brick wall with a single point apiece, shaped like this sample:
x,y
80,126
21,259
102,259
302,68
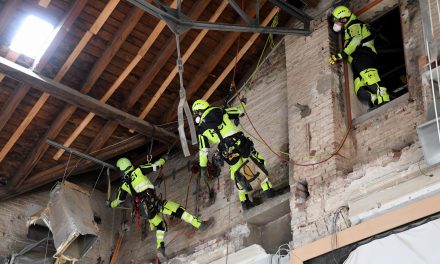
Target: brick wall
x,y
378,140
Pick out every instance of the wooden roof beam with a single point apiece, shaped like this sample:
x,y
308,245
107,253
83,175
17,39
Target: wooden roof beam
x,y
7,12
65,114
83,101
126,28
57,172
45,96
239,56
185,57
44,3
209,65
145,80
60,32
93,77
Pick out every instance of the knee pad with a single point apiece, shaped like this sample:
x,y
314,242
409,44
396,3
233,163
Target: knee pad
x,y
170,207
370,76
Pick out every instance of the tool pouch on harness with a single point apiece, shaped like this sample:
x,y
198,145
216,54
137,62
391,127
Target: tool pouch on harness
x,y
249,176
148,203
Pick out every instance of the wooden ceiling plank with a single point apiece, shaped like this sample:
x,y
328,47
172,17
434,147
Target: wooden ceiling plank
x,y
147,78
65,114
141,53
44,3
83,101
208,67
185,57
240,55
12,56
43,98
123,32
59,34
7,12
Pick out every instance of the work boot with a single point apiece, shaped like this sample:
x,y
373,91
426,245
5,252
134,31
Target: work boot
x,y
270,193
161,253
206,224
246,205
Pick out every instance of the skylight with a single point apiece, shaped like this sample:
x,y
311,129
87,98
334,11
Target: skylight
x,y
33,37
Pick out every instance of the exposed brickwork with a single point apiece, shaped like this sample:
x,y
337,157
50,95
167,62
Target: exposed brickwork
x,y
16,211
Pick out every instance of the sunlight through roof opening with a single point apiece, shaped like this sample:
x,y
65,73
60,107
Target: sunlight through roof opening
x,y
33,37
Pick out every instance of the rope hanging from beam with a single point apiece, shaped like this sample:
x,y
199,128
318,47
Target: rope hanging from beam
x,y
183,103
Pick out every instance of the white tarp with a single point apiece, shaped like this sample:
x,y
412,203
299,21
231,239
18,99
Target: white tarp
x,y
419,245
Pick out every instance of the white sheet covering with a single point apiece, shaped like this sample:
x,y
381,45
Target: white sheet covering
x,y
419,245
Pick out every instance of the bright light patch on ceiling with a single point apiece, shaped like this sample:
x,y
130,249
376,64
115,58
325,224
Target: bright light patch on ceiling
x,y
33,37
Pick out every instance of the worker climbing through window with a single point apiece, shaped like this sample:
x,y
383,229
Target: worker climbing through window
x,y
138,185
361,53
219,126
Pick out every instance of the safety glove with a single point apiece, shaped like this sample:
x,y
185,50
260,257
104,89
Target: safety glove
x,y
335,58
166,157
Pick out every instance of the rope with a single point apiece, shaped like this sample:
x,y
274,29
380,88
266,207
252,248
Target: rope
x,y
96,182
262,140
183,104
67,166
47,245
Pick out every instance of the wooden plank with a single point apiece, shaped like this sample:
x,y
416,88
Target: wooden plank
x,y
64,26
89,83
380,224
12,56
43,98
208,66
185,57
83,101
7,12
147,78
44,3
121,35
23,125
240,55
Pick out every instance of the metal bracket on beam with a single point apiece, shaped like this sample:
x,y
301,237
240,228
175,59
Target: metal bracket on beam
x,y
180,23
240,11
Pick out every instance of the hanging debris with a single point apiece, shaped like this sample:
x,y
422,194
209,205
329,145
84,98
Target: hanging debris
x,y
69,217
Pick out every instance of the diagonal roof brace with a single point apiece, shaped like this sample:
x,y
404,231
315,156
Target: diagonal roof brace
x,y
180,23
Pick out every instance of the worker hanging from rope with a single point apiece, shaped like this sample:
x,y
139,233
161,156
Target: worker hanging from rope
x,y
219,126
137,184
361,53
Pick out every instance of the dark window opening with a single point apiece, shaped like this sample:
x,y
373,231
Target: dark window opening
x,y
391,57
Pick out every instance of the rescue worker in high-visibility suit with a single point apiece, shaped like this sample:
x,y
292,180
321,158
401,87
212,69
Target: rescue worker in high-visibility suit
x,y
135,180
216,126
361,53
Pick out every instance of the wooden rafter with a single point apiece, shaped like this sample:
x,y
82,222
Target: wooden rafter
x,y
57,171
44,3
59,34
185,57
7,12
145,80
89,83
209,65
239,56
121,35
43,98
83,101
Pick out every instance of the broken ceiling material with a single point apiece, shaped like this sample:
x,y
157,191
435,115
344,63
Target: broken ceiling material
x,y
69,217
